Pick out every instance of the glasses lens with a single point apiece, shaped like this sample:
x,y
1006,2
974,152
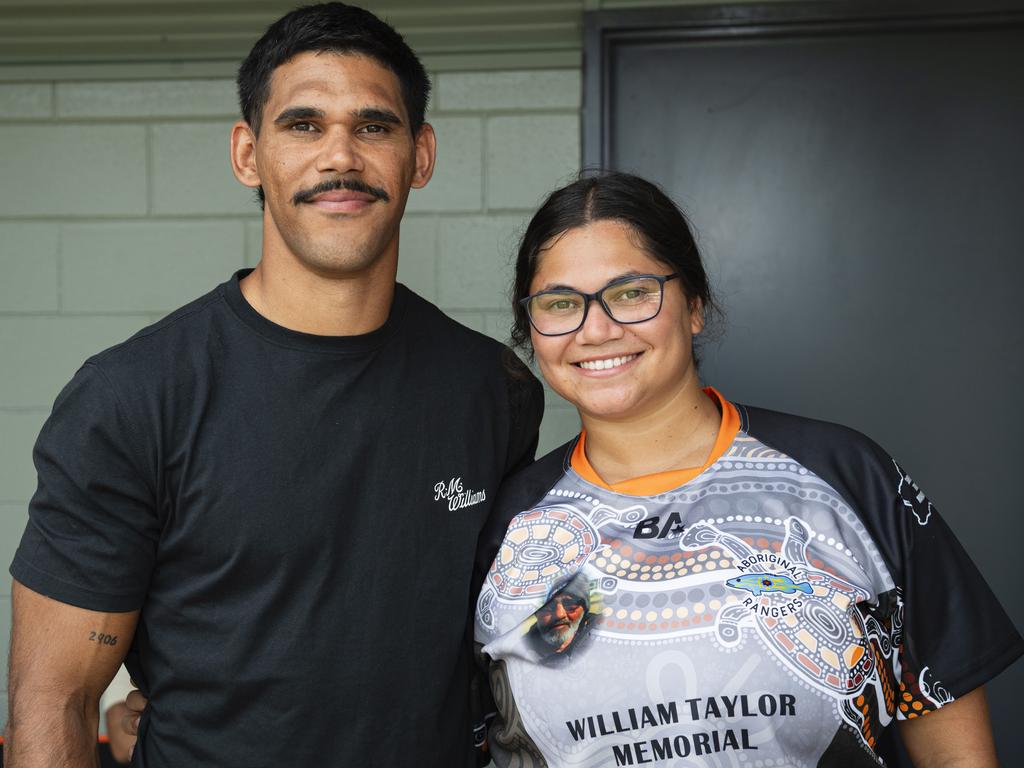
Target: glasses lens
x,y
633,301
556,312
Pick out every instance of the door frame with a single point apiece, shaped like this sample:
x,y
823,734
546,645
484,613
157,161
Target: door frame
x,y
606,31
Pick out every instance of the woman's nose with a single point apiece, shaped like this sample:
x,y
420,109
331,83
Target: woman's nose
x,y
598,327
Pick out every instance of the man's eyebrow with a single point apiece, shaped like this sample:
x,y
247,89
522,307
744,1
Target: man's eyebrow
x,y
298,113
377,114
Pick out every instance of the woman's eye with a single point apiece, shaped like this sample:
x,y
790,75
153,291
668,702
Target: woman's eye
x,y
561,305
629,295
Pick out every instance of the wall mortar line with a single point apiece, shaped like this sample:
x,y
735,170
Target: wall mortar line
x,y
149,170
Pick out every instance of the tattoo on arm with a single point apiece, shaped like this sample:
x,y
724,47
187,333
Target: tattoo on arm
x,y
102,639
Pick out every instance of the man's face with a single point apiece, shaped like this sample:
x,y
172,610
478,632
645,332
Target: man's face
x,y
336,159
559,619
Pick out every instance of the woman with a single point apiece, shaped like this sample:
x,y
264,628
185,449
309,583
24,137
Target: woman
x,y
696,582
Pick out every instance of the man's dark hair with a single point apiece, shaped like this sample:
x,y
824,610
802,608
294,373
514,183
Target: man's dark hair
x,y
330,28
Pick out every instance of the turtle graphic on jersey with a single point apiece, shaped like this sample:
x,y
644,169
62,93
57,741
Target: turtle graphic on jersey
x,y
840,661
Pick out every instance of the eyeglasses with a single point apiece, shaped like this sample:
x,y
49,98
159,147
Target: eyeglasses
x,y
627,300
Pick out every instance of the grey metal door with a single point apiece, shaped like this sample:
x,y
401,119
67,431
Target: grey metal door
x,y
855,172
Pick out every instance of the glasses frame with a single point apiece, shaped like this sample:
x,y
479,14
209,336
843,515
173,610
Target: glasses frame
x,y
588,298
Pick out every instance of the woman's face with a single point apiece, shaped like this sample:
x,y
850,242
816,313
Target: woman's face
x,y
645,365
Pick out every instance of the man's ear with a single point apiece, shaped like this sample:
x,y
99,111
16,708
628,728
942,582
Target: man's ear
x,y
243,155
426,154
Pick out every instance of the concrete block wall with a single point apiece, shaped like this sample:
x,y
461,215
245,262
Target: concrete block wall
x,y
118,205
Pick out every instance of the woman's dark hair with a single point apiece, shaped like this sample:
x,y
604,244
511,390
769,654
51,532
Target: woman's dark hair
x,y
330,28
660,227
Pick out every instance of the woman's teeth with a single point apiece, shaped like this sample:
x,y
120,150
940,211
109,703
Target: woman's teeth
x,y
604,365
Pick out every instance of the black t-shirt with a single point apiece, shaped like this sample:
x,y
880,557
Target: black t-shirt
x,y
297,518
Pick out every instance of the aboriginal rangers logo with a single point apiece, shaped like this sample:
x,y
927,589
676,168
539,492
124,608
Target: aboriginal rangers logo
x,y
773,574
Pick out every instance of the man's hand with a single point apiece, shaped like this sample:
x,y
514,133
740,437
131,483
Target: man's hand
x,y
134,705
122,741
62,659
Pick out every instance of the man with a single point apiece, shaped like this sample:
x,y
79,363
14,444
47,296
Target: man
x,y
563,619
271,499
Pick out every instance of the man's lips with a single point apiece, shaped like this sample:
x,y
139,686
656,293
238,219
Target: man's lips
x,y
342,200
341,192
341,195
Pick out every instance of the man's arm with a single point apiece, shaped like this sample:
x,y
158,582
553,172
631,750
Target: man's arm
x,y
62,658
957,735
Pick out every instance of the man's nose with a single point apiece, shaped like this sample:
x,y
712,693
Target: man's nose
x,y
339,152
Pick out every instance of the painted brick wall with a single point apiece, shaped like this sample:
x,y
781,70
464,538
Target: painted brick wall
x,y
118,205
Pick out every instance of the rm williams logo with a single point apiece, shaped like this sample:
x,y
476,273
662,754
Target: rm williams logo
x,y
456,497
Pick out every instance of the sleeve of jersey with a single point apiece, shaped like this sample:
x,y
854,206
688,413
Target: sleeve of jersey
x,y
956,635
92,528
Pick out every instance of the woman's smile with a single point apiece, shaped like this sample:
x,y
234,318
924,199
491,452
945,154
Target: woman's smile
x,y
614,364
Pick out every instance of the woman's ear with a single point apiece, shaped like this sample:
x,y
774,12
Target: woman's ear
x,y
696,315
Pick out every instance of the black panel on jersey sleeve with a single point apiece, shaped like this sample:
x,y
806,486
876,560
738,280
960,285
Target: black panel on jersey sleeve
x,y
952,625
518,494
92,530
846,751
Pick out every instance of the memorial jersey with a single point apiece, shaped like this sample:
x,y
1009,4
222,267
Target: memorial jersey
x,y
780,606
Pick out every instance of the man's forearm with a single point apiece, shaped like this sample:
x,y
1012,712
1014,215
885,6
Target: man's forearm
x,y
43,734
62,658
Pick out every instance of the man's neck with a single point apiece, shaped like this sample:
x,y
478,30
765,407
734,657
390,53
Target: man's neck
x,y
297,298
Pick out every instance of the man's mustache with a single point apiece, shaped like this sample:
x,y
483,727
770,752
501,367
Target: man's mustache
x,y
352,185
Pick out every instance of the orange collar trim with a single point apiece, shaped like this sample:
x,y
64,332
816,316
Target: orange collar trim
x,y
662,482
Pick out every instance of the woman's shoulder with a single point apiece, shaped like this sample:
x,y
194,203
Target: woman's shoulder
x,y
533,481
521,492
809,440
864,474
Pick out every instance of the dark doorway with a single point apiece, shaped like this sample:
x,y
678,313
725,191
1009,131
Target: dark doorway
x,y
855,172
